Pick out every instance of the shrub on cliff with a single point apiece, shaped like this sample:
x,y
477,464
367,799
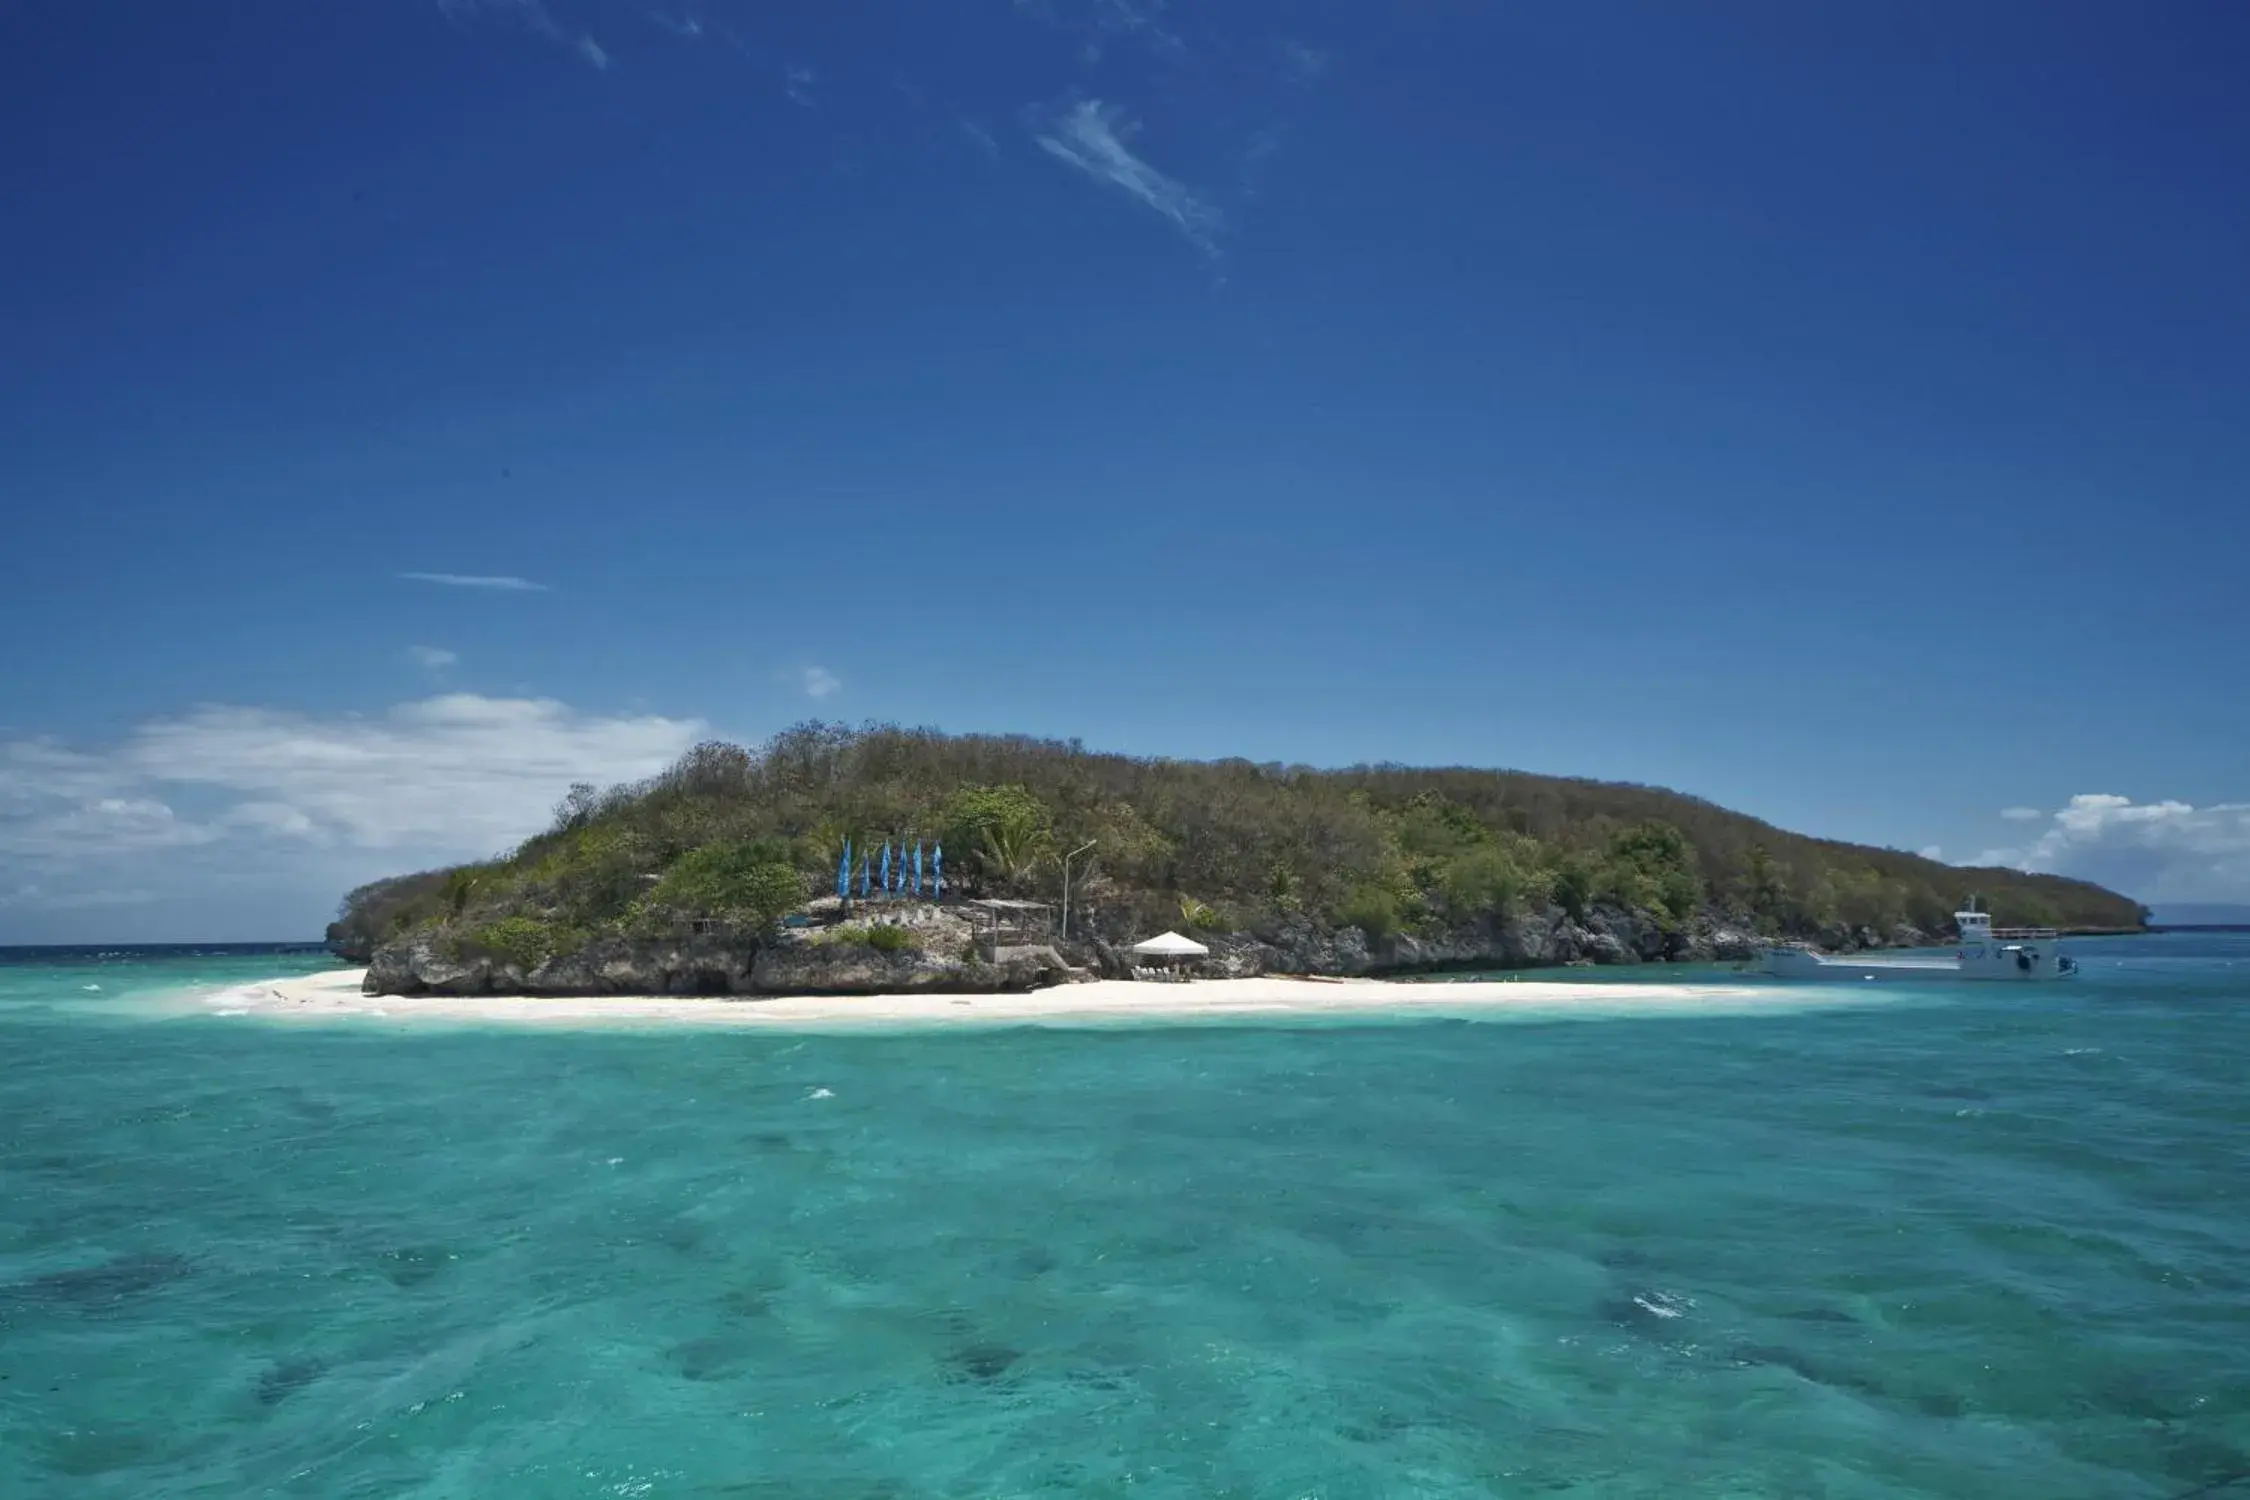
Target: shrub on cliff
x,y
1490,880
1200,916
1573,881
1004,830
522,940
1650,867
883,937
1373,909
749,881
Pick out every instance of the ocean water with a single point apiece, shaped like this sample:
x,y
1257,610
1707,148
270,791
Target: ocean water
x,y
1951,1241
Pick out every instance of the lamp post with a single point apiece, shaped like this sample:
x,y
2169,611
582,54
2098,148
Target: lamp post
x,y
1073,854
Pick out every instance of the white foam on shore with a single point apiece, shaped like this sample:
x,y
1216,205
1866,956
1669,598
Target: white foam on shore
x,y
336,997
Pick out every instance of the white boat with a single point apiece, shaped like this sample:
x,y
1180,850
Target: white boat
x,y
1984,952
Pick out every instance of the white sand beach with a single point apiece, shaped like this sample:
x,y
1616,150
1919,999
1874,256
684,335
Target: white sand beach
x,y
336,996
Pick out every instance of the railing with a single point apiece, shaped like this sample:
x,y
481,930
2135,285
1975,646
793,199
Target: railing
x,y
2047,934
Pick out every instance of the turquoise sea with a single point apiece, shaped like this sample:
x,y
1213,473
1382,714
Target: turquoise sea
x,y
1952,1241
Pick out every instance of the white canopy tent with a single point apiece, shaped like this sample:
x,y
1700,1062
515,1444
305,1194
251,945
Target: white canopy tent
x,y
1165,954
1171,945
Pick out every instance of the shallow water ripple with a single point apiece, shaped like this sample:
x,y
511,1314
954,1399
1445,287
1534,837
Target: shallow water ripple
x,y
1982,1243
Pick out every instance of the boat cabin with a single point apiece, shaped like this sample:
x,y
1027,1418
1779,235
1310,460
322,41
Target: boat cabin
x,y
1989,952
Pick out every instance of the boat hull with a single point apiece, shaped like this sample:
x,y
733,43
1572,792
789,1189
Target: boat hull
x,y
2007,966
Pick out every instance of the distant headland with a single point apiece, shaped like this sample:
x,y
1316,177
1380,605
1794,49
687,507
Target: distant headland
x,y
882,860
2199,916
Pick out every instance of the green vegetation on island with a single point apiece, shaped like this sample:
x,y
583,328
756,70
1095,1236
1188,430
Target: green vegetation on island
x,y
732,840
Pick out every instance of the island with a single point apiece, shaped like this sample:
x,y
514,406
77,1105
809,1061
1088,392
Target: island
x,y
877,860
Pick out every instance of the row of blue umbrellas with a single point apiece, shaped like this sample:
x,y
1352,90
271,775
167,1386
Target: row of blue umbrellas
x,y
881,875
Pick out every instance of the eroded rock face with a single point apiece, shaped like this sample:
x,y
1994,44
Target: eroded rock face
x,y
805,965
423,965
1839,937
1550,939
820,961
419,965
1731,944
616,966
940,956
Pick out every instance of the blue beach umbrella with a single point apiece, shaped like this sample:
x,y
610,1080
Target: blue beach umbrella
x,y
917,867
844,873
937,868
887,886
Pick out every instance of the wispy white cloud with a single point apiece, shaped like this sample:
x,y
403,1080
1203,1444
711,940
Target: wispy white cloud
x,y
1092,137
254,820
433,658
983,139
497,582
2169,850
473,770
1932,851
448,777
100,827
272,817
797,83
819,682
535,17
1301,63
36,771
2022,814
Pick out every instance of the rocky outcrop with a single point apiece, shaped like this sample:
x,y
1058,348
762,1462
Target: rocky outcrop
x,y
810,964
1550,939
934,948
427,965
933,951
1838,937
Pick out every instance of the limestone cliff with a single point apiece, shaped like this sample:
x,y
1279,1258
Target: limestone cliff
x,y
907,947
924,947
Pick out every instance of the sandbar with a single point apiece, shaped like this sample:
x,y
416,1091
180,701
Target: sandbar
x,y
335,996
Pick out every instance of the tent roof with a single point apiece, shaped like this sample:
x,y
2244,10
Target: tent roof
x,y
1171,945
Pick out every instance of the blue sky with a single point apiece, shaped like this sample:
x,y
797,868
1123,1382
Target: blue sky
x,y
1837,412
